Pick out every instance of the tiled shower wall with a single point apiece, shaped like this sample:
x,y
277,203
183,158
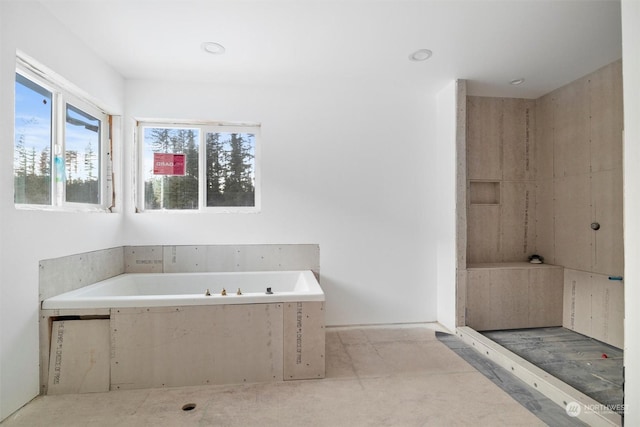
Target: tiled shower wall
x,y
68,273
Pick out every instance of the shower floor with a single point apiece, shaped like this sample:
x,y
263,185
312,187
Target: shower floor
x,y
588,365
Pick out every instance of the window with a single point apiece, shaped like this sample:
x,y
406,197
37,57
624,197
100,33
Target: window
x,y
199,167
60,144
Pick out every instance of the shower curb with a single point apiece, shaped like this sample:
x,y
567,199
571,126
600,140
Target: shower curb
x,y
591,411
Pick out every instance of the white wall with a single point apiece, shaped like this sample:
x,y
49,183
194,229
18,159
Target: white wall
x,y
347,166
28,236
631,78
446,202
351,167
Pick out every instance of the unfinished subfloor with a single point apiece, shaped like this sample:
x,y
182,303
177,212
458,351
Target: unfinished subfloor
x,y
588,365
376,376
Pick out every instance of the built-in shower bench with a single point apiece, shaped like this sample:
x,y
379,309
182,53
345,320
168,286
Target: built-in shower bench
x,y
514,295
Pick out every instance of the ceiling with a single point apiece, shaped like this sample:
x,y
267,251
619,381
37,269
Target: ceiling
x,y
325,42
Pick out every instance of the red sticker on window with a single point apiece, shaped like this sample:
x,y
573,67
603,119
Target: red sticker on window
x,y
168,164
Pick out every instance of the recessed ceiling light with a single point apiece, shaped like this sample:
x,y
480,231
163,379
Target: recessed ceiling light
x,y
421,55
213,48
516,82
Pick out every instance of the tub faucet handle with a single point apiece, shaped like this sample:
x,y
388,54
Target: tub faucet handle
x,y
224,292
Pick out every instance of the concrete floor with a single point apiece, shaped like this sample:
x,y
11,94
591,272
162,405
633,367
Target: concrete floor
x,y
376,376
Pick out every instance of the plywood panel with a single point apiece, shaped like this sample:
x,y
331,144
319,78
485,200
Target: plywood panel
x,y
509,299
242,258
518,145
573,222
64,274
598,307
572,129
607,307
544,140
545,232
304,340
461,181
143,259
607,211
577,301
194,258
518,295
226,344
187,258
606,117
483,234
484,138
594,306
518,227
546,289
79,357
497,298
614,316
461,297
478,299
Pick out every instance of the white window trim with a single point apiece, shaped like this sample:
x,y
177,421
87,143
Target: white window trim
x,y
63,92
204,127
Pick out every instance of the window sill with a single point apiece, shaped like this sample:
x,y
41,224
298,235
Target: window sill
x,y
200,211
72,209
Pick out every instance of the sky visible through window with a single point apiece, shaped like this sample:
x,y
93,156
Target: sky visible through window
x,y
33,125
32,119
78,162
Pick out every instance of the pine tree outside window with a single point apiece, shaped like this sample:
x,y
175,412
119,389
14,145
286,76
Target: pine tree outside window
x,y
198,167
59,146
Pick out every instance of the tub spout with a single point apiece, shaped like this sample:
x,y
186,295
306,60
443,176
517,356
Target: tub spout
x,y
239,292
207,293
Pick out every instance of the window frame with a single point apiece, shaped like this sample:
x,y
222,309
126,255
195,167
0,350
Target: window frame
x,y
63,94
204,127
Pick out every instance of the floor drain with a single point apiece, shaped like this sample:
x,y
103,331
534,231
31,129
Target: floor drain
x,y
189,407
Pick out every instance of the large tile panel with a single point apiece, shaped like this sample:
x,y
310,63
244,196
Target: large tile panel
x,y
545,221
518,225
607,117
572,130
545,136
483,233
484,138
518,145
227,344
607,199
573,222
59,275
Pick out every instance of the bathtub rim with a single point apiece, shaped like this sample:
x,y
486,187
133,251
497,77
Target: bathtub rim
x,y
74,300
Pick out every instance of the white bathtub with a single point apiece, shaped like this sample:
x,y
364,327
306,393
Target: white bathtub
x,y
161,330
182,289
